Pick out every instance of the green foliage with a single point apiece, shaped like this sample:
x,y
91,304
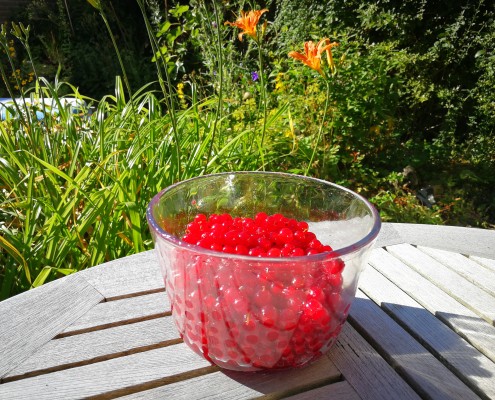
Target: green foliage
x,y
362,108
409,90
298,20
404,206
439,82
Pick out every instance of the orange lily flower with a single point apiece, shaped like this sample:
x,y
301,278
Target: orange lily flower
x,y
312,54
247,22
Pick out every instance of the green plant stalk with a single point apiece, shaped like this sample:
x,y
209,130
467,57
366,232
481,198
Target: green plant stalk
x,y
320,130
4,77
194,92
8,280
218,113
22,34
3,43
265,105
124,73
167,96
11,93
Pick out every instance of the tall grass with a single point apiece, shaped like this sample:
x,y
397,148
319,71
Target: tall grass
x,y
75,186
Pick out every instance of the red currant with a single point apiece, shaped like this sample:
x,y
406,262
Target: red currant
x,y
245,313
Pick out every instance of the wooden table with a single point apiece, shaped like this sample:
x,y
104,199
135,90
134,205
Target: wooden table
x,y
422,326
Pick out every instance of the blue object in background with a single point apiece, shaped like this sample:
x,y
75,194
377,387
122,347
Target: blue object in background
x,y
8,109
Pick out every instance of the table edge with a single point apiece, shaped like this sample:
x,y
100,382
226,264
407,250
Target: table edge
x,y
468,241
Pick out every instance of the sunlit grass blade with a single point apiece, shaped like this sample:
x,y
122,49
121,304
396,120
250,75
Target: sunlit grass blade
x,y
42,276
29,227
133,211
9,248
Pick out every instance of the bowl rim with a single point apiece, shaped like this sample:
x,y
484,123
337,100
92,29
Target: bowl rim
x,y
174,240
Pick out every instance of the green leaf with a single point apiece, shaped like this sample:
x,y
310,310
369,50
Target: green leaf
x,y
28,232
53,169
42,276
7,246
479,53
95,3
66,271
174,34
161,54
165,27
178,11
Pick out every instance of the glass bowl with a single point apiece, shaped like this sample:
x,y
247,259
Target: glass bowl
x,y
250,313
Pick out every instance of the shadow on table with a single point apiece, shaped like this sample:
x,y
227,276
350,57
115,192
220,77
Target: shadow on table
x,y
432,358
290,381
427,354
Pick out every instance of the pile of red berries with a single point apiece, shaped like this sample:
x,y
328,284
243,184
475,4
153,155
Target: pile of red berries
x,y
253,313
261,236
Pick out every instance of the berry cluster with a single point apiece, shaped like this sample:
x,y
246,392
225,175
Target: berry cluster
x,y
255,313
262,236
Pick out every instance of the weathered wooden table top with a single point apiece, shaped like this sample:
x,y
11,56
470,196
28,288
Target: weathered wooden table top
x,y
422,326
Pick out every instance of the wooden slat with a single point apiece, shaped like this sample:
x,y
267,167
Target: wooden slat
x,y
472,367
118,312
98,346
138,273
456,286
231,385
120,374
418,366
469,269
464,321
29,320
340,391
486,262
365,370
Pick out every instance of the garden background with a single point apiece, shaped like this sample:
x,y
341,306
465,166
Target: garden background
x,y
167,91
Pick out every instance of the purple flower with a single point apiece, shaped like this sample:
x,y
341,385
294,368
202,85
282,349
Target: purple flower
x,y
254,76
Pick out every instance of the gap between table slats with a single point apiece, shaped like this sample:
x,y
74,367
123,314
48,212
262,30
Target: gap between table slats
x,y
125,277
172,367
73,346
127,310
461,289
340,390
166,364
366,371
469,269
135,294
88,361
233,385
455,315
31,319
467,363
136,325
425,373
485,262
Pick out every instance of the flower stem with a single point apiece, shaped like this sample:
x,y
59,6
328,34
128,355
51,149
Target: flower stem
x,y
327,99
169,101
218,114
265,105
124,73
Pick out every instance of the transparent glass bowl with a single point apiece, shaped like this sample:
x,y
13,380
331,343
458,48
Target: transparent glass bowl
x,y
248,313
